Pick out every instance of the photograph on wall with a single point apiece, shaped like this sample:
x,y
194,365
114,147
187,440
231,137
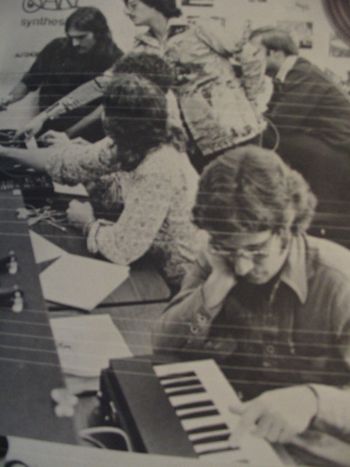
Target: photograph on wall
x,y
337,47
301,31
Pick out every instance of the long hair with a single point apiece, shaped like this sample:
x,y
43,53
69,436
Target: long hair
x,y
92,19
135,118
167,8
252,190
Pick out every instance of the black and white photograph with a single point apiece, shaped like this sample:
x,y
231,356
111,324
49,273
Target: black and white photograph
x,y
174,233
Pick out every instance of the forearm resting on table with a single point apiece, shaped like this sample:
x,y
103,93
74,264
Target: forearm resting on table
x,y
33,158
333,407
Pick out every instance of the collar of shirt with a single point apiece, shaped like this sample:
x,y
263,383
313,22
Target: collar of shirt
x,y
175,26
286,67
296,271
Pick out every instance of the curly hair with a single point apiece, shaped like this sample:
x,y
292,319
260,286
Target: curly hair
x,y
167,8
135,117
252,190
150,66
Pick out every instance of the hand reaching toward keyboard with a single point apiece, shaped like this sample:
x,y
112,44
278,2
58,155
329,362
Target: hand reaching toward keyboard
x,y
5,102
33,127
277,415
52,137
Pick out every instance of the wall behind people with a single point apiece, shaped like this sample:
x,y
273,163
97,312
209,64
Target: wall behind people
x,y
26,26
305,19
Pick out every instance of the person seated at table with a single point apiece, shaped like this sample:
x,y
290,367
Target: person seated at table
x,y
149,181
65,63
268,302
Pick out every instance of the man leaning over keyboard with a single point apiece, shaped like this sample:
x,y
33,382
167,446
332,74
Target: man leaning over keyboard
x,y
268,302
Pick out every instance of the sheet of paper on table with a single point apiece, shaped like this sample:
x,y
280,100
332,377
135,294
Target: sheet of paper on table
x,y
76,190
81,282
44,250
85,344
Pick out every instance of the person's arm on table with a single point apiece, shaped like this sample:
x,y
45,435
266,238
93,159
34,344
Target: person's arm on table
x,y
145,209
35,158
186,321
17,93
33,78
69,163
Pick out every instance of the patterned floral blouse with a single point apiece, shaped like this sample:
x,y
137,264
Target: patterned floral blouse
x,y
155,201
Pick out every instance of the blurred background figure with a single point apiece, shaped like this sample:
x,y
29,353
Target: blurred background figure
x,y
310,115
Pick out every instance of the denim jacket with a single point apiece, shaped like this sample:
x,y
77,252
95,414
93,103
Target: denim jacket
x,y
218,106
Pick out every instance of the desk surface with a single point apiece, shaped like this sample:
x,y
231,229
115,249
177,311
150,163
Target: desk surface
x,y
29,366
144,285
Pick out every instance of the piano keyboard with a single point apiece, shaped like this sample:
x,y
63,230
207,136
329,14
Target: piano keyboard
x,y
180,409
201,397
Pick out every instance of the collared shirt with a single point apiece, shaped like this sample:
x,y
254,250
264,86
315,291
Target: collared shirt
x,y
286,67
295,330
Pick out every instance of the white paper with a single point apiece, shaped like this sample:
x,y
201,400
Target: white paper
x,y
85,344
43,249
76,190
81,282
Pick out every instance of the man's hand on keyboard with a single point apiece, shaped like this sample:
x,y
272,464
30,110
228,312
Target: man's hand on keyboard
x,y
277,415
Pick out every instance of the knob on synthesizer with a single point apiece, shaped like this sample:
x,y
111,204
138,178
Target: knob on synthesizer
x,y
9,263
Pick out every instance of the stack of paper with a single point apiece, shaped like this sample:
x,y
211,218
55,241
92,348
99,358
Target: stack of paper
x,y
85,344
76,190
43,249
80,282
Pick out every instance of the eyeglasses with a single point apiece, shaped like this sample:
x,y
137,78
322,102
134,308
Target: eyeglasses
x,y
255,252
